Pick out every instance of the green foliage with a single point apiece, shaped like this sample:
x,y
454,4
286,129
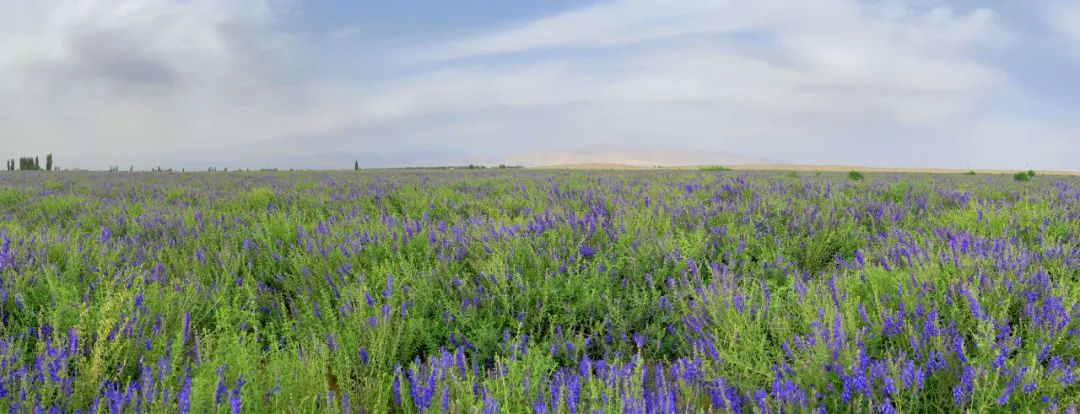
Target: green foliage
x,y
11,197
714,168
27,164
1022,176
268,269
1031,173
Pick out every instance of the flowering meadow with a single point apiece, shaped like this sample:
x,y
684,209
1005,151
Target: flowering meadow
x,y
538,291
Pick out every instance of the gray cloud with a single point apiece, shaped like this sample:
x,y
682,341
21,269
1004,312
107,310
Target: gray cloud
x,y
114,55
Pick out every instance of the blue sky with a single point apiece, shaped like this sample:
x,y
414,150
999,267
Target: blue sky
x,y
252,83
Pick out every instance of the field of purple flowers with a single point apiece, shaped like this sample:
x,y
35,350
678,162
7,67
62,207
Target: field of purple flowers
x,y
538,291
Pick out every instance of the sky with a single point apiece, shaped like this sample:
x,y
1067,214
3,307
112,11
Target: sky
x,y
275,83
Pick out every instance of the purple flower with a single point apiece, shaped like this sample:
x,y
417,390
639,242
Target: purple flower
x,y
397,385
234,399
887,407
490,405
446,398
184,398
586,251
962,391
221,388
187,328
958,347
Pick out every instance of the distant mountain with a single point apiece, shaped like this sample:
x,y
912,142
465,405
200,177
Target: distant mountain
x,y
633,157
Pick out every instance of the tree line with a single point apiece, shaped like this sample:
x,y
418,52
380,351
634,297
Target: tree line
x,y
31,164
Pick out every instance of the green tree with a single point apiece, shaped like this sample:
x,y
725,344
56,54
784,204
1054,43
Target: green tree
x,y
48,162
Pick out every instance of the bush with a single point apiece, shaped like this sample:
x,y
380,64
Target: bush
x,y
1022,176
1031,173
970,173
855,176
714,168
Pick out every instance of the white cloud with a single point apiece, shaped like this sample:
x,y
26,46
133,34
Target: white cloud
x,y
818,81
1064,17
123,79
823,68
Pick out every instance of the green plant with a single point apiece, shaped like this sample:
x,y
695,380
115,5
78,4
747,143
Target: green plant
x,y
855,176
1031,173
714,168
1022,176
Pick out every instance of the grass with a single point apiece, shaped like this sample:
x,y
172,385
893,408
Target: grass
x,y
463,291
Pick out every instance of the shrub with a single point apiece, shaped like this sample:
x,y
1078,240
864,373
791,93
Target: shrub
x,y
970,173
1031,173
1022,176
855,176
714,168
